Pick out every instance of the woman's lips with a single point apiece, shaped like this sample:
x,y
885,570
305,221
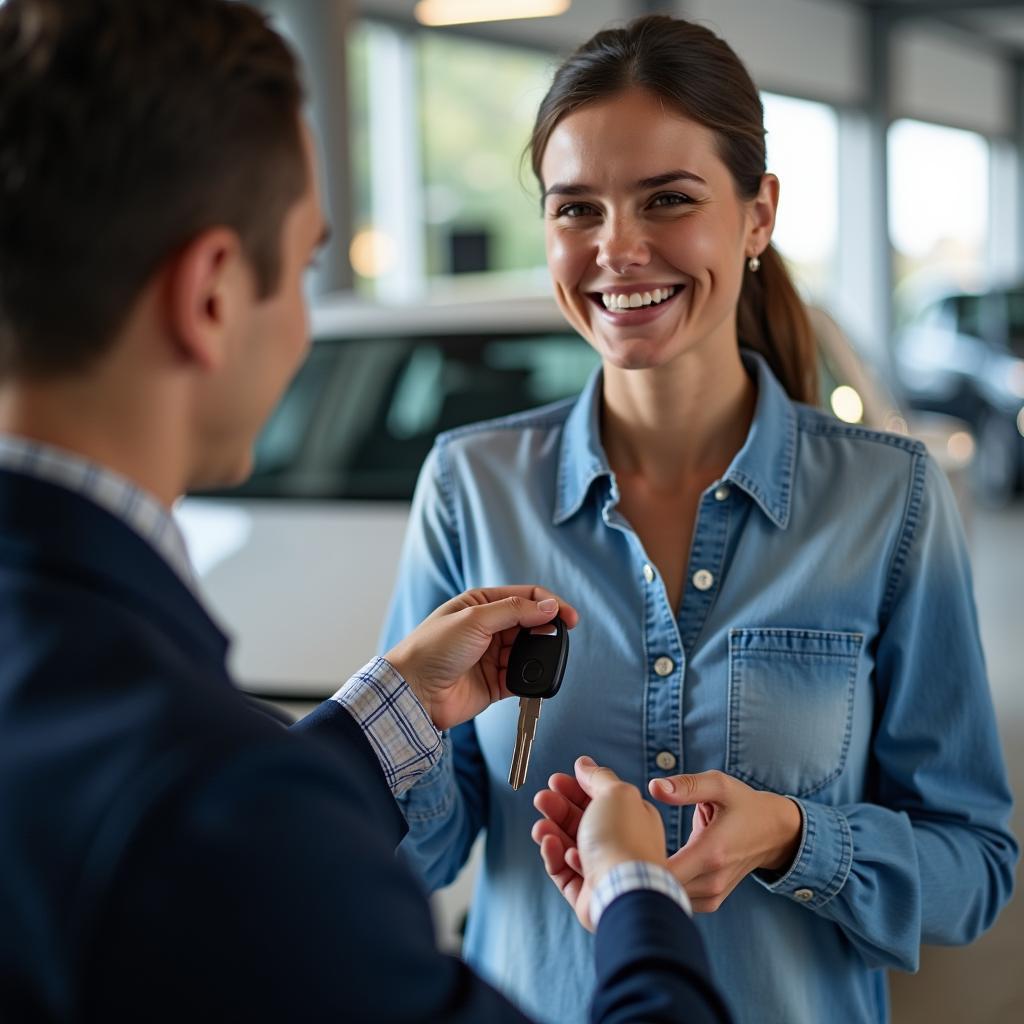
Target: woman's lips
x,y
635,317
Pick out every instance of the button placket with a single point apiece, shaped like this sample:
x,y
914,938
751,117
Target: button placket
x,y
664,667
707,554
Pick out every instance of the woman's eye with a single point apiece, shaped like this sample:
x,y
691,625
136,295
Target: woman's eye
x,y
572,210
671,199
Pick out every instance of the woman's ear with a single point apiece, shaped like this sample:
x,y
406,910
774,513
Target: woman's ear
x,y
761,211
205,285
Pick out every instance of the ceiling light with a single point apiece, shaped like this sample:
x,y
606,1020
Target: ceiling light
x,y
462,12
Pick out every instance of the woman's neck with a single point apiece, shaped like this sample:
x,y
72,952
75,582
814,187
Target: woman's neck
x,y
672,423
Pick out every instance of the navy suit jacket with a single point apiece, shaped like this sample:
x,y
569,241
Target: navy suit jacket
x,y
170,853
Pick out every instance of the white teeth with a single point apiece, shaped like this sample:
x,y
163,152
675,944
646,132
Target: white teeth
x,y
636,300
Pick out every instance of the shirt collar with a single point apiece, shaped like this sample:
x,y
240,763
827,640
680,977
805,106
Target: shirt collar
x,y
581,459
123,499
763,467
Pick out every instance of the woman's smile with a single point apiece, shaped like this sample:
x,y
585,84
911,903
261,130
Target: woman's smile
x,y
633,305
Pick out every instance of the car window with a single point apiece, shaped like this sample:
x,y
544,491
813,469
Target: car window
x,y
971,315
1015,322
362,414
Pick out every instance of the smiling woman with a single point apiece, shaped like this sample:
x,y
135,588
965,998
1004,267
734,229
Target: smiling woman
x,y
757,583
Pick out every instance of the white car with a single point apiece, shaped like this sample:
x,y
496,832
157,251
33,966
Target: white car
x,y
299,562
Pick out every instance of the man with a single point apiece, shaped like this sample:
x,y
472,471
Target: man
x,y
168,853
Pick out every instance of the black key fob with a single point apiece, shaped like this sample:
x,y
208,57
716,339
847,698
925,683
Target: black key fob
x,y
537,660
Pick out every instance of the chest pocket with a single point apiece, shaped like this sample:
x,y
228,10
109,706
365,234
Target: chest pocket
x,y
790,706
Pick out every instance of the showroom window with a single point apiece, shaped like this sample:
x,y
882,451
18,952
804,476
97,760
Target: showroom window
x,y
939,212
480,202
803,142
470,204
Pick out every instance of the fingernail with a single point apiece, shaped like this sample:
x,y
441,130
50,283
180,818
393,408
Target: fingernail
x,y
667,785
588,761
549,604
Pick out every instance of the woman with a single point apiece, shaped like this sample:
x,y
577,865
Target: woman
x,y
765,592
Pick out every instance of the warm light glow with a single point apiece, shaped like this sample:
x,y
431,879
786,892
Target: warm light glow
x,y
896,424
371,253
847,404
463,12
960,446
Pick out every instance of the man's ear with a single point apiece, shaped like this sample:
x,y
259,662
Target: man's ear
x,y
761,211
204,294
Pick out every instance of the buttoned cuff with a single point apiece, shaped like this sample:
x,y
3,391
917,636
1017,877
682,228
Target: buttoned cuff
x,y
823,859
397,725
633,875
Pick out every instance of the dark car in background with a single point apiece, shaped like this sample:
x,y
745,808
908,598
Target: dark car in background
x,y
964,355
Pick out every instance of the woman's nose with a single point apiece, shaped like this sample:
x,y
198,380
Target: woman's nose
x,y
622,246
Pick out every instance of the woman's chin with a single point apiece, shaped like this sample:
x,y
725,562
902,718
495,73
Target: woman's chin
x,y
633,354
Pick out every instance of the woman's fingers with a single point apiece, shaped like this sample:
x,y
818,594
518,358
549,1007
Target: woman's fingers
x,y
568,881
559,809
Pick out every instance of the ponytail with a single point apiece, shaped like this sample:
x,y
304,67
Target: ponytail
x,y
772,321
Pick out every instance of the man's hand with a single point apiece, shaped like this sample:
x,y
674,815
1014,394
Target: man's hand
x,y
455,660
736,830
591,824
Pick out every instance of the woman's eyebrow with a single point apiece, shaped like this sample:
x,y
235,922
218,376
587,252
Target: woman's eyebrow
x,y
666,178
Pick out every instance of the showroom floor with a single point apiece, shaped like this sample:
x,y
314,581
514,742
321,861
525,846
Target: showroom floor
x,y
984,984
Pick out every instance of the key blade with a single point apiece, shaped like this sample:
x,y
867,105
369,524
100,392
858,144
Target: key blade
x,y
526,730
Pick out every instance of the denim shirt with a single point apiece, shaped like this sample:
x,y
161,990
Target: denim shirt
x,y
826,648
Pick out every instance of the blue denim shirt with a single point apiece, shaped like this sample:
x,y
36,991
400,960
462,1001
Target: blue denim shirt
x,y
826,648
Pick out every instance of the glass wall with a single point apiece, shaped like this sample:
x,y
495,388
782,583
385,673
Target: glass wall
x,y
939,212
803,143
481,203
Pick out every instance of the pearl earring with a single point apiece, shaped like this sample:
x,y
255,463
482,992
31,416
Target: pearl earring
x,y
754,264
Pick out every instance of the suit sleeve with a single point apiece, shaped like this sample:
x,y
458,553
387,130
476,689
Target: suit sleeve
x,y
268,893
651,966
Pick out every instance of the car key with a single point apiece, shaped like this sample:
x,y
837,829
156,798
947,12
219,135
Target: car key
x,y
536,665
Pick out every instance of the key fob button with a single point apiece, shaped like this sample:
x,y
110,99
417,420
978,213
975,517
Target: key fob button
x,y
532,671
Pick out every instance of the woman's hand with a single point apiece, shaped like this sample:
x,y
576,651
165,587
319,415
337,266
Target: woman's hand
x,y
592,823
736,830
455,660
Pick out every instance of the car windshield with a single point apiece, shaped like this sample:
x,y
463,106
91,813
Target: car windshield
x,y
362,414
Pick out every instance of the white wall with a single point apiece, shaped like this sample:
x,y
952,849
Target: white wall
x,y
936,77
803,47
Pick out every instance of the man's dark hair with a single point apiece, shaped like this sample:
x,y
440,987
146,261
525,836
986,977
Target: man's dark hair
x,y
127,127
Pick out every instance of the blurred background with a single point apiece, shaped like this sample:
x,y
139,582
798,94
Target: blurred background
x,y
897,130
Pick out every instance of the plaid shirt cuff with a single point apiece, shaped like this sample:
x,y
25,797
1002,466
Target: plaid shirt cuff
x,y
394,721
636,874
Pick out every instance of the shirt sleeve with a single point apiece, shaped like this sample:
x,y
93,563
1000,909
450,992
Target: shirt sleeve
x,y
930,858
632,876
447,806
394,721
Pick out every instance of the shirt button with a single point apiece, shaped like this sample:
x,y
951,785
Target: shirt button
x,y
804,895
703,580
663,666
665,760
721,493
648,574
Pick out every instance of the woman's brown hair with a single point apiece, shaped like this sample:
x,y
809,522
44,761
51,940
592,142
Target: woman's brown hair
x,y
699,74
